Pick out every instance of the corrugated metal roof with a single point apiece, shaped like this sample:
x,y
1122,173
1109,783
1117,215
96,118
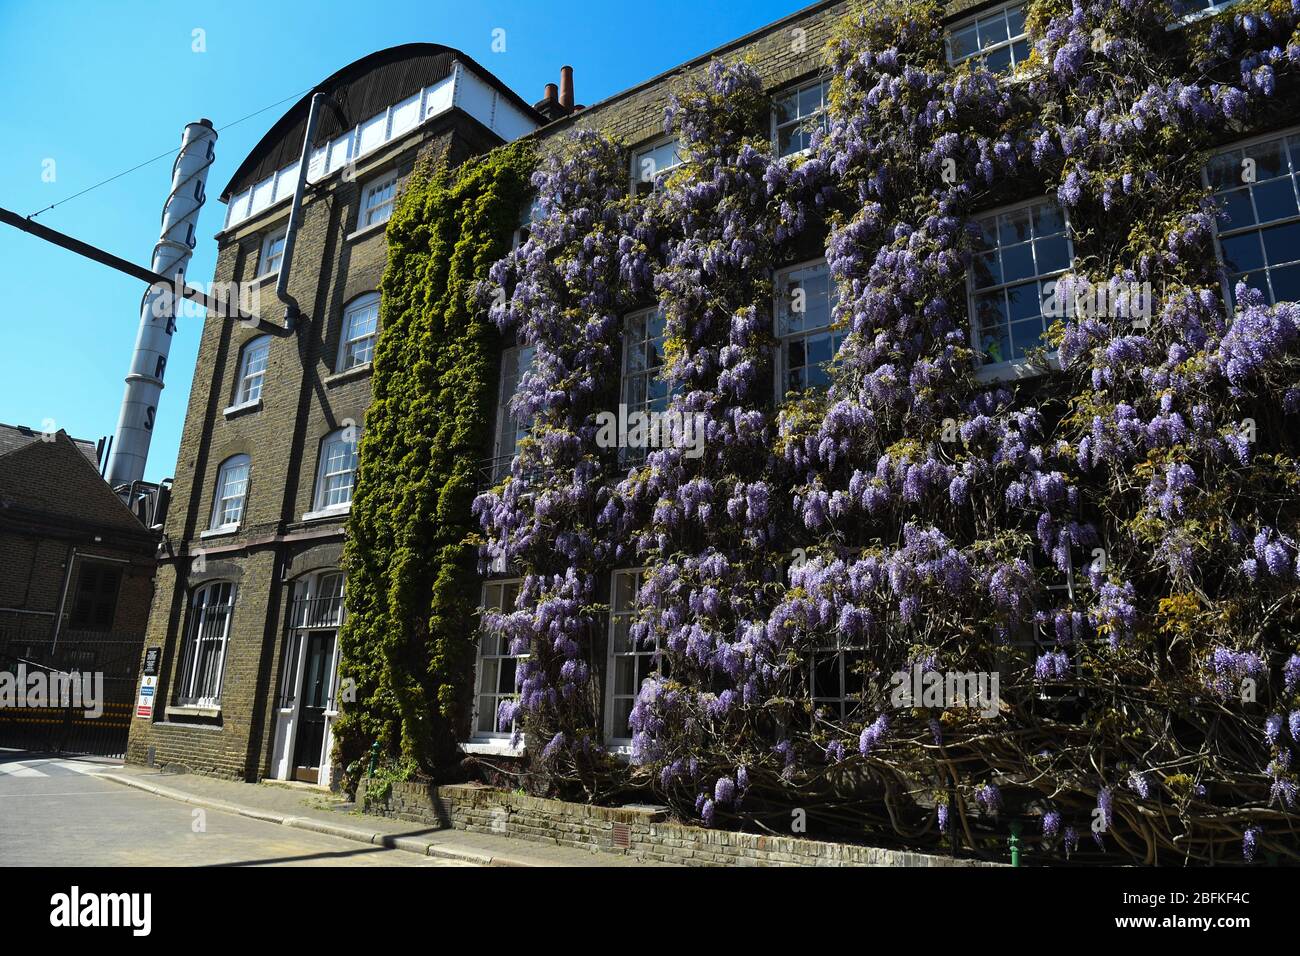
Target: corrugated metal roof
x,y
363,88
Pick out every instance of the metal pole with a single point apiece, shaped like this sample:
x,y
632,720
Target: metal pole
x,y
63,600
224,307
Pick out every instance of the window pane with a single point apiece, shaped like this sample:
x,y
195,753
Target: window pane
x,y
810,100
1235,209
1270,159
963,42
1053,255
988,271
1014,226
1018,262
1275,199
993,30
1224,170
786,107
1022,302
1048,218
999,60
1286,284
1242,252
1282,243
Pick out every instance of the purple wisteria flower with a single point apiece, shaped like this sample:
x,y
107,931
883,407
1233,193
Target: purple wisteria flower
x,y
990,798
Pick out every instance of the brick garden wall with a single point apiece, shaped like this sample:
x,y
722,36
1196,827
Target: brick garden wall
x,y
644,833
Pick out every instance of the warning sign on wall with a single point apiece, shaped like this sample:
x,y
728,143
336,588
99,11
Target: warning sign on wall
x,y
148,687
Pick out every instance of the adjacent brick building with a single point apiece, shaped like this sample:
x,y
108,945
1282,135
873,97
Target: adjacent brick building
x,y
76,575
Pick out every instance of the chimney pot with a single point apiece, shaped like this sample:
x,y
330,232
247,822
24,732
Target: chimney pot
x,y
550,93
566,87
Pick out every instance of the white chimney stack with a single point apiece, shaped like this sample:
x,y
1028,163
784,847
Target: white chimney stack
x,y
171,255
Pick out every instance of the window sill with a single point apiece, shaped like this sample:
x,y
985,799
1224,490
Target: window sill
x,y
233,410
493,748
338,511
1187,19
797,154
219,532
266,278
188,710
347,375
1015,370
365,231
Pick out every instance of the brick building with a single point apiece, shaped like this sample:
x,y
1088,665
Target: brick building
x,y
76,571
249,594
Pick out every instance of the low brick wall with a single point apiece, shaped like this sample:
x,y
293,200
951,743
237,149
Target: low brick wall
x,y
642,832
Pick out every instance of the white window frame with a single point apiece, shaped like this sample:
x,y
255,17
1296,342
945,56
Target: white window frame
x,y
502,586
368,212
1226,280
526,220
1001,44
502,455
802,121
780,283
621,737
632,456
250,378
320,508
209,625
268,254
360,307
220,498
1191,16
1010,369
638,173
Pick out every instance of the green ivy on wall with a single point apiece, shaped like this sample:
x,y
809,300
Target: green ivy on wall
x,y
410,562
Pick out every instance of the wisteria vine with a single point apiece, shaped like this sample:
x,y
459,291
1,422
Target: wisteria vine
x,y
1115,537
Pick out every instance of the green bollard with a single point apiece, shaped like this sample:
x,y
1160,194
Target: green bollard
x,y
374,758
1014,843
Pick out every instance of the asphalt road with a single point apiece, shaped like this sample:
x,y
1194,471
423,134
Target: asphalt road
x,y
54,812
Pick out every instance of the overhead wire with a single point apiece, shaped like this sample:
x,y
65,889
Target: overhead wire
x,y
164,155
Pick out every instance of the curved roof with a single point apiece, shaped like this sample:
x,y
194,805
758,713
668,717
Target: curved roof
x,y
362,88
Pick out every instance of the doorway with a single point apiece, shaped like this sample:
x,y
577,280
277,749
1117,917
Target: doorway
x,y
309,741
307,705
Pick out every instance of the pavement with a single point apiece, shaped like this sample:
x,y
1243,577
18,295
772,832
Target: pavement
x,y
96,812
60,811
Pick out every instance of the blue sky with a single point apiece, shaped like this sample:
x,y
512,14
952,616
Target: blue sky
x,y
99,86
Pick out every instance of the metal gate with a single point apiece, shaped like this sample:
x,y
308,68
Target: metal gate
x,y
110,659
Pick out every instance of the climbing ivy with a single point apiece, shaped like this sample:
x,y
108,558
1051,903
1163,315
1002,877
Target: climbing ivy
x,y
410,562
